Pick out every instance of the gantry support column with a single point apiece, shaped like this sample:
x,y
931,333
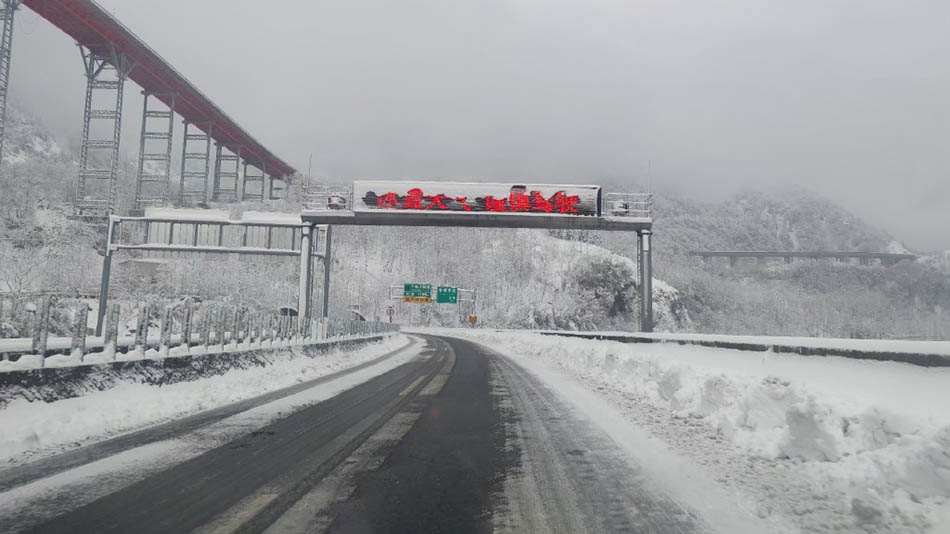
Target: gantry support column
x,y
645,263
226,190
195,166
258,192
91,200
7,9
306,273
151,185
326,272
104,280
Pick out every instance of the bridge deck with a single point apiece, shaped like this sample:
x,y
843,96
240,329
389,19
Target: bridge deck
x,y
799,254
93,27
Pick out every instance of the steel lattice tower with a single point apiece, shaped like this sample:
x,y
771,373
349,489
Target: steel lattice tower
x,y
91,202
189,190
7,10
151,185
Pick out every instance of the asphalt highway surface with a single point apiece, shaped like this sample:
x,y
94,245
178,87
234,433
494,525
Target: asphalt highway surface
x,y
459,439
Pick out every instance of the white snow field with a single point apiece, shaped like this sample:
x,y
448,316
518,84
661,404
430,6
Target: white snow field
x,y
813,444
32,429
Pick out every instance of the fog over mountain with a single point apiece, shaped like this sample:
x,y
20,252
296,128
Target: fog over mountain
x,y
846,98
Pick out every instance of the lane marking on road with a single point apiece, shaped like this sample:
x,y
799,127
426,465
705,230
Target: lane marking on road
x,y
437,383
292,496
412,386
244,510
311,512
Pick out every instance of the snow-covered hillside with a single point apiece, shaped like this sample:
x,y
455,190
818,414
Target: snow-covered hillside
x,y
785,219
26,140
524,278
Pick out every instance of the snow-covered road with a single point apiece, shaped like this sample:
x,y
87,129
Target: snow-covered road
x,y
482,430
32,430
807,444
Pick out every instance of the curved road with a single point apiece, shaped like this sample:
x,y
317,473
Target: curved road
x,y
460,439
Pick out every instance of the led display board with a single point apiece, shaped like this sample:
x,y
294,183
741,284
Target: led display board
x,y
495,198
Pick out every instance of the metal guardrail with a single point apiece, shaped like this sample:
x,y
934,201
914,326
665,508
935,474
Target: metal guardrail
x,y
920,353
208,330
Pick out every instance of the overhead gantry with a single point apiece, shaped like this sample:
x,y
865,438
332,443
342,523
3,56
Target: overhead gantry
x,y
492,205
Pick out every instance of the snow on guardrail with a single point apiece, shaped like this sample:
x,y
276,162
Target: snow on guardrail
x,y
924,353
219,330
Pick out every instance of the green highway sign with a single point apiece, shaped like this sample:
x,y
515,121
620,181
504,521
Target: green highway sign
x,y
447,295
417,293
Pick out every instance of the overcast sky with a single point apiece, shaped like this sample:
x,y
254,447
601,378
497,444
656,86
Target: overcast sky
x,y
845,97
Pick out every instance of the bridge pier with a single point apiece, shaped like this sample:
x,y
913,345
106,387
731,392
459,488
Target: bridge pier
x,y
96,63
645,267
151,185
189,170
272,191
221,159
7,9
253,178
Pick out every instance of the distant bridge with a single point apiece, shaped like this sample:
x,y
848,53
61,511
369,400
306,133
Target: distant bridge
x,y
864,258
111,54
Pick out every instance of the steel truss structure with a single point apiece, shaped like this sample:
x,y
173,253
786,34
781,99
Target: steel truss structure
x,y
252,178
195,165
226,181
7,9
154,173
90,199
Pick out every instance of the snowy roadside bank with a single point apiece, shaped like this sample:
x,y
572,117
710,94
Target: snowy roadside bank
x,y
825,444
33,429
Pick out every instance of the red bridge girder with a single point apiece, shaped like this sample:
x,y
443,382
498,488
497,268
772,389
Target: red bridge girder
x,y
93,27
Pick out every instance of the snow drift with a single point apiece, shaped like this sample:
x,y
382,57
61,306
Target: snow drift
x,y
870,438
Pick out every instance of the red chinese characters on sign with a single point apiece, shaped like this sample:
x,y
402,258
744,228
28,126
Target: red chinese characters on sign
x,y
519,200
413,200
389,200
495,204
539,203
435,201
564,203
